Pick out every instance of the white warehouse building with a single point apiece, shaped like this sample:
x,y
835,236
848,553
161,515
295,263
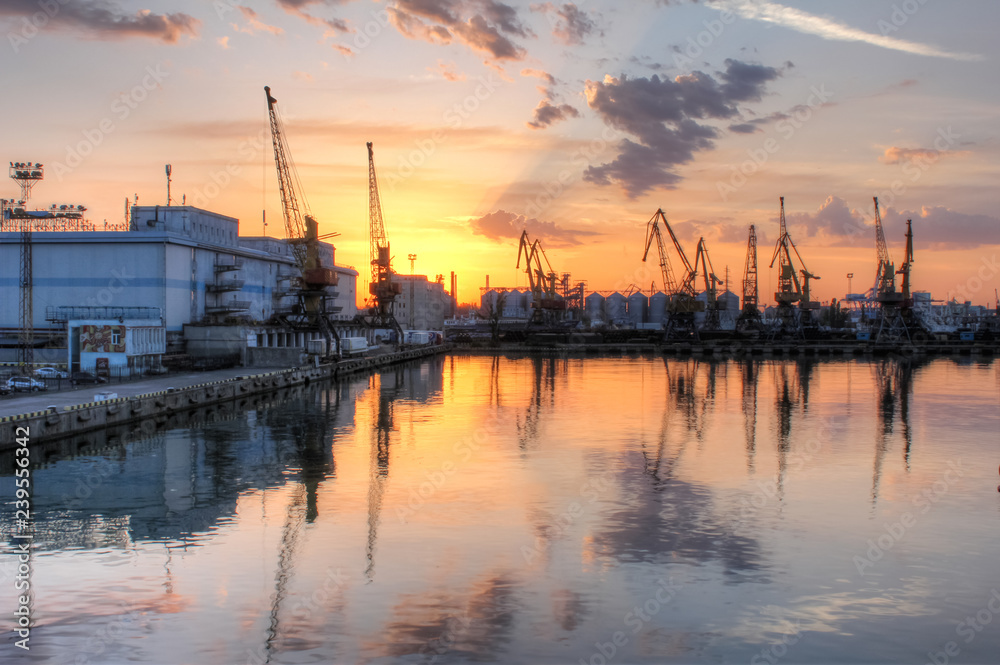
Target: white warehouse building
x,y
185,265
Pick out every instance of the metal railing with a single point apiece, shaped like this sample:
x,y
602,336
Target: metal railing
x,y
63,313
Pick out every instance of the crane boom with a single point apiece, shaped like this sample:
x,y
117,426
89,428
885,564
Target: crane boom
x,y
686,286
653,232
379,242
382,287
295,229
885,276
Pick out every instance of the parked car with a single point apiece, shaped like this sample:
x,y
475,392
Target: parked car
x,y
79,378
4,390
24,384
50,373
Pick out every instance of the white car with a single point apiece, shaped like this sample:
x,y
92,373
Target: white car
x,y
50,373
23,384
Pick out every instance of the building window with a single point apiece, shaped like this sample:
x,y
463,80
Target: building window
x,y
116,337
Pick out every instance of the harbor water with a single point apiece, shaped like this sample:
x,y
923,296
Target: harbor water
x,y
538,510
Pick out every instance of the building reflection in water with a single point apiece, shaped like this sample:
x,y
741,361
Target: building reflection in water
x,y
450,584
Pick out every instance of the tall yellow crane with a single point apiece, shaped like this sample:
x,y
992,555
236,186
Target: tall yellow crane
x,y
302,232
382,288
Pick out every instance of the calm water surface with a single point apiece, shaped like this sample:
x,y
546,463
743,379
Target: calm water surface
x,y
537,510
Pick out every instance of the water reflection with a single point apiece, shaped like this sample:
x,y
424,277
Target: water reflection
x,y
530,539
749,371
383,390
470,624
692,384
894,385
543,388
665,519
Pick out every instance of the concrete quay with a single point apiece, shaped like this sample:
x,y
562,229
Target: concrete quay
x,y
41,416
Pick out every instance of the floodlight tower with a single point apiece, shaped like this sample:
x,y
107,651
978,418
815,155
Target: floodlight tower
x,y
27,175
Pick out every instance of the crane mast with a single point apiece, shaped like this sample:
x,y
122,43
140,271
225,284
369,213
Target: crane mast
x,y
749,318
904,269
750,272
382,287
302,233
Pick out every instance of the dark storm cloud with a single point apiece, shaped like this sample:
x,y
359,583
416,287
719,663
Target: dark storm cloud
x,y
662,115
106,20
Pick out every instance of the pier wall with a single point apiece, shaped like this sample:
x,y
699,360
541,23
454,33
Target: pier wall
x,y
159,407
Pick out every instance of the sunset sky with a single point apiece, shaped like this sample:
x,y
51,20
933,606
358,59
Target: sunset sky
x,y
573,120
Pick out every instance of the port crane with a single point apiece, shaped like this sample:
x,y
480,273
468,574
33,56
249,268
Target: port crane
x,y
682,305
790,289
545,302
707,272
383,289
749,318
302,232
895,317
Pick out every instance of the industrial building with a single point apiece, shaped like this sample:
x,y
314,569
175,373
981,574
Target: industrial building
x,y
422,304
167,268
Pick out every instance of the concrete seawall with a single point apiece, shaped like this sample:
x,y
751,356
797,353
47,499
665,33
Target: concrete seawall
x,y
157,408
736,349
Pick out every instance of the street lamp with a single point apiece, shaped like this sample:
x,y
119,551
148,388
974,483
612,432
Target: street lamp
x,y
412,258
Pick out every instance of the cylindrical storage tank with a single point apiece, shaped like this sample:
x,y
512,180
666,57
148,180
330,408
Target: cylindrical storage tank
x,y
593,305
729,301
658,307
488,300
616,308
638,308
512,307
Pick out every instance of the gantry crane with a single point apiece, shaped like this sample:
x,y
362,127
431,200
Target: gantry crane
x,y
895,317
545,302
790,289
885,275
302,232
383,289
707,272
682,305
749,318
